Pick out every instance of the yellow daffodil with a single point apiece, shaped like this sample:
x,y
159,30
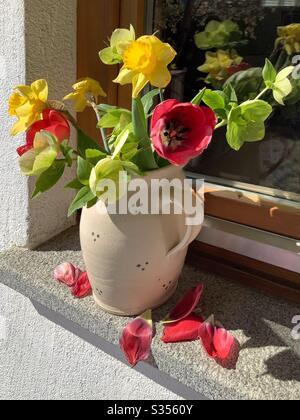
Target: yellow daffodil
x,y
289,36
217,64
146,60
27,104
119,41
85,91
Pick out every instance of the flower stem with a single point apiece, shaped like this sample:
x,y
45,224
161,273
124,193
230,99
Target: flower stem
x,y
103,133
221,124
161,95
262,93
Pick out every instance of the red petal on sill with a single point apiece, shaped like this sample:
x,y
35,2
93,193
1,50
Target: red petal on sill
x,y
223,343
184,330
136,339
82,287
67,273
186,305
219,345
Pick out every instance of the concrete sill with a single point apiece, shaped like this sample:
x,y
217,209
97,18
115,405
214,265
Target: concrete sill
x,y
269,364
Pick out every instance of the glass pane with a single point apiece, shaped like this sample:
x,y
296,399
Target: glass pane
x,y
251,36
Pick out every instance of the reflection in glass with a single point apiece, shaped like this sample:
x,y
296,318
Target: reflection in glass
x,y
224,41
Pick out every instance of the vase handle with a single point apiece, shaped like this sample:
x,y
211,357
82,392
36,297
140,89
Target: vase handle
x,y
192,231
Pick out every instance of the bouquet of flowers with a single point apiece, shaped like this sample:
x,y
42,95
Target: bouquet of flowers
x,y
145,138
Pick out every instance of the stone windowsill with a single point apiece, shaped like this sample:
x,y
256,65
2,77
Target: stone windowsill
x,y
269,364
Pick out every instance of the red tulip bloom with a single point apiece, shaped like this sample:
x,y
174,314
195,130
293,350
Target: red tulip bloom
x,y
67,273
181,131
217,342
82,287
136,339
53,122
238,67
184,330
186,305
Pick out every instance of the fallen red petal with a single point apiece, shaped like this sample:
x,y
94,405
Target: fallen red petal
x,y
223,343
136,341
184,330
187,304
82,287
218,342
67,273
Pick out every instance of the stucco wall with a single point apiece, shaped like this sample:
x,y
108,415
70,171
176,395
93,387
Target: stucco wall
x,y
37,40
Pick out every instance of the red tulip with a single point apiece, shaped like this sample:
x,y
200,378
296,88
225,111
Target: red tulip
x,y
181,131
82,287
186,305
67,273
217,342
136,339
238,67
184,330
53,122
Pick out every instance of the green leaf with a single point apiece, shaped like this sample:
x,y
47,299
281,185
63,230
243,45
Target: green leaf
x,y
49,178
269,73
67,151
148,100
92,202
94,155
106,108
120,142
230,94
246,83
246,123
85,142
198,98
146,159
74,185
214,99
84,169
84,196
110,56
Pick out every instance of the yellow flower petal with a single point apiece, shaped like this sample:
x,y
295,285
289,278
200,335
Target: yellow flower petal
x,y
40,89
125,76
15,101
161,77
138,84
26,91
19,127
83,90
146,59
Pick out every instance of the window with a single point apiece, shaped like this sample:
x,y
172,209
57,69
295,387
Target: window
x,y
260,185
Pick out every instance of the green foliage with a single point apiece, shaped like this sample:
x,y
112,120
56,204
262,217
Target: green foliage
x,y
49,178
83,197
247,83
84,169
145,158
148,100
218,35
85,142
246,123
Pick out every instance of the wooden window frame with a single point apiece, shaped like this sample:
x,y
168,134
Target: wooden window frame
x,y
240,206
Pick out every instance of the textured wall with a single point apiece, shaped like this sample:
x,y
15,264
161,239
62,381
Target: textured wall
x,y
14,206
40,360
37,41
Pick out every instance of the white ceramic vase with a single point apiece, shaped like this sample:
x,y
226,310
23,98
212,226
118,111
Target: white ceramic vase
x,y
134,261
